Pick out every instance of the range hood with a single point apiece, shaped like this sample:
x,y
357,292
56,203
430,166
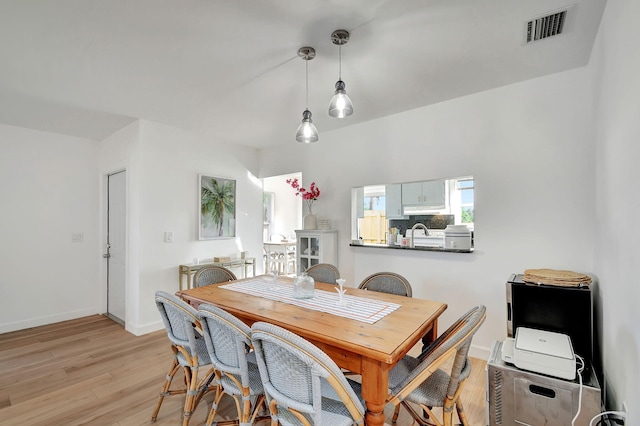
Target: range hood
x,y
411,210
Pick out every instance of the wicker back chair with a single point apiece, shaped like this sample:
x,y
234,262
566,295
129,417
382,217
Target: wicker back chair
x,y
302,384
212,275
324,273
423,382
387,282
181,322
228,341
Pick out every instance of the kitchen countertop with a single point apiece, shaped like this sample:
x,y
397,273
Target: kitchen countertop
x,y
397,247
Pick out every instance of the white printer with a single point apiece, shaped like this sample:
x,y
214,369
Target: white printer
x,y
542,352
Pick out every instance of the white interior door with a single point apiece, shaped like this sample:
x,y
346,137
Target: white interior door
x,y
116,249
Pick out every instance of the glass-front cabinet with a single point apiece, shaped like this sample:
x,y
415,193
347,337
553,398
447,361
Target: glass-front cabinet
x,y
316,246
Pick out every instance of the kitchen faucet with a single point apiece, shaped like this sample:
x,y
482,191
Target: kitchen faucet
x,y
417,225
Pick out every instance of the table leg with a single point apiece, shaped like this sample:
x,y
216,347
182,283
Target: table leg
x,y
430,336
184,275
375,384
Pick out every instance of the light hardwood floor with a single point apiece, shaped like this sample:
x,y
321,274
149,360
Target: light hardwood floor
x,y
91,371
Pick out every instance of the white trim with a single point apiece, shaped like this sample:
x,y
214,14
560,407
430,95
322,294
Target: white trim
x,y
479,352
47,320
145,329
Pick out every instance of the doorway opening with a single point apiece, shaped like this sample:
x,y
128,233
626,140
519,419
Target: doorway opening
x,y
116,247
282,212
282,209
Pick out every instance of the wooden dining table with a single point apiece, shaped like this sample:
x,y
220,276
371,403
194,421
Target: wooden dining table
x,y
370,350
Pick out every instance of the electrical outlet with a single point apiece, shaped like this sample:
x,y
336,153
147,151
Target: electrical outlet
x,y
168,237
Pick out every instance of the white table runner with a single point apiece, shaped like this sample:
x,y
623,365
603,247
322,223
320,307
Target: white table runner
x,y
358,308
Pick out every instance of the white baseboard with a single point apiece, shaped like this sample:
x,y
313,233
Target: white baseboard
x,y
479,352
144,329
49,319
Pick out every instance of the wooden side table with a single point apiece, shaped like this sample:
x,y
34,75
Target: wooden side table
x,y
188,270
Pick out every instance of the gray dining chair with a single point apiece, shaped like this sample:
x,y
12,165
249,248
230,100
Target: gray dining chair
x,y
424,381
324,273
189,352
212,275
301,383
387,282
390,282
228,342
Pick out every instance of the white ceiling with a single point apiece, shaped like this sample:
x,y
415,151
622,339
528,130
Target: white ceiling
x,y
228,68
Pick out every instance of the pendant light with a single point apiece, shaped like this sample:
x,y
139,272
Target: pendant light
x,y
340,105
307,132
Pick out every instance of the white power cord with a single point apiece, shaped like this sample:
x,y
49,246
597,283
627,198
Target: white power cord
x,y
615,413
580,370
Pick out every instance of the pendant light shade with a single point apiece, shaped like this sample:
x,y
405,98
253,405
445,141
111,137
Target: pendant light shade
x,y
307,132
340,105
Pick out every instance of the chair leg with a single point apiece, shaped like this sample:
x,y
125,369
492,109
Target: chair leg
x,y
273,410
205,386
447,411
256,409
214,405
246,408
461,414
396,411
426,419
189,402
458,404
196,390
167,384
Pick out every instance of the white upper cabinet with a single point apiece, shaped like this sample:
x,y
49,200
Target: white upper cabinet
x,y
393,201
429,194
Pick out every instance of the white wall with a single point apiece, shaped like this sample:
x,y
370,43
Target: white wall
x,y
617,58
167,168
52,186
530,148
48,191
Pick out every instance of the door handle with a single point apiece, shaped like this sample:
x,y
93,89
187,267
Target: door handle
x,y
106,255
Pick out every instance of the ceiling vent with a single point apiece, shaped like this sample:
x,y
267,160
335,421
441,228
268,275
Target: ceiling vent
x,y
549,25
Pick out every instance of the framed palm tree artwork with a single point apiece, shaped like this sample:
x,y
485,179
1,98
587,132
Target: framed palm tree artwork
x,y
217,208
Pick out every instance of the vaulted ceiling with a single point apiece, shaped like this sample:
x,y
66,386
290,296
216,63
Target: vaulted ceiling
x,y
229,69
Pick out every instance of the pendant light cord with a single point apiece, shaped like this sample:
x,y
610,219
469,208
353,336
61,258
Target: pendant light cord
x,y
306,66
340,62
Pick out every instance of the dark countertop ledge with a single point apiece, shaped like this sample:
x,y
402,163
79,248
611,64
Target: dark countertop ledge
x,y
396,247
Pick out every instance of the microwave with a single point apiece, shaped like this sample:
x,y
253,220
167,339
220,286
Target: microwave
x,y
566,310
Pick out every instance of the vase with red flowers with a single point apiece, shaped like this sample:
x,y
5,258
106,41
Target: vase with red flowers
x,y
310,221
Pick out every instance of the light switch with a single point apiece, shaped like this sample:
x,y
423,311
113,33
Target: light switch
x,y
77,237
168,237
